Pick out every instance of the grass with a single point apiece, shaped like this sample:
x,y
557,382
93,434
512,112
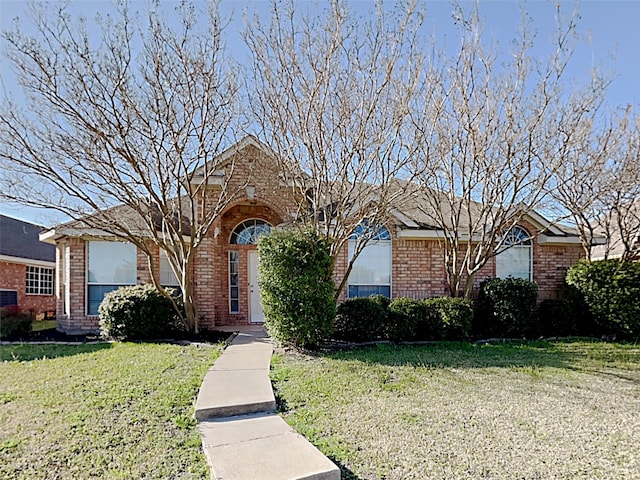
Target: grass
x,y
459,411
112,411
40,325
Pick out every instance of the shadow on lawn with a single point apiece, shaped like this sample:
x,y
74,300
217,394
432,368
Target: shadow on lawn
x,y
25,352
345,472
465,355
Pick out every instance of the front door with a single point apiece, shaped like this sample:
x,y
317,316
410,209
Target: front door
x,y
255,305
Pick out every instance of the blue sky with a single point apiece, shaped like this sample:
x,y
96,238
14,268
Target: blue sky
x,y
610,38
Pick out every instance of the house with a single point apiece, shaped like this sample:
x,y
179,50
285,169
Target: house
x,y
406,258
621,229
27,267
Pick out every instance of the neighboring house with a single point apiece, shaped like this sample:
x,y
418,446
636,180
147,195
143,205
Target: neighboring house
x,y
27,267
406,258
622,235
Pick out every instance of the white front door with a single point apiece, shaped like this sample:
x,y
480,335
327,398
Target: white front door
x,y
255,305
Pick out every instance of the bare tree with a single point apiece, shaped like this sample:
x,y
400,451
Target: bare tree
x,y
123,127
331,92
492,132
617,200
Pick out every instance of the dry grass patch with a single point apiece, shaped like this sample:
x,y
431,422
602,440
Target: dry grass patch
x,y
452,411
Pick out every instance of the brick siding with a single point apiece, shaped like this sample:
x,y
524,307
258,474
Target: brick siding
x,y
13,276
417,265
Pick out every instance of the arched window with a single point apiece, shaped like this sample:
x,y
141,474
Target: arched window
x,y
247,232
516,260
371,272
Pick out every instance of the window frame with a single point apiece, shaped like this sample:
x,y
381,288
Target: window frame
x,y
89,284
246,224
164,259
234,259
517,239
43,281
381,237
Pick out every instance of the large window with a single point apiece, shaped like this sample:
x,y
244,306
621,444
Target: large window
x,y
516,260
39,281
371,272
247,232
110,265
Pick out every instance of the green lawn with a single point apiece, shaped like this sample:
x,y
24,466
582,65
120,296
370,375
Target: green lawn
x,y
116,411
454,411
40,325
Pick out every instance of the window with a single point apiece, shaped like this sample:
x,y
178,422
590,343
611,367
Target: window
x,y
39,281
515,261
8,297
234,282
167,277
110,265
371,272
247,232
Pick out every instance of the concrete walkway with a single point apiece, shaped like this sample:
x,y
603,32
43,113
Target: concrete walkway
x,y
242,437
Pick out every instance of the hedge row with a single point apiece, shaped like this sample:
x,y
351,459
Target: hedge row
x,y
403,319
611,291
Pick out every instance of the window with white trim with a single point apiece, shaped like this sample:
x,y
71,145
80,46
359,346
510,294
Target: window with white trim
x,y
516,260
167,276
247,232
234,282
110,265
39,280
371,271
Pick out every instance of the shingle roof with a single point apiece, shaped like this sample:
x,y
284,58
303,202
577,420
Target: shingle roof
x,y
20,239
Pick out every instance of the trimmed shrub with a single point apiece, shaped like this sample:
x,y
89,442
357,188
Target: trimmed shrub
x,y
137,312
296,287
405,315
381,300
611,290
506,307
360,320
556,318
14,323
455,316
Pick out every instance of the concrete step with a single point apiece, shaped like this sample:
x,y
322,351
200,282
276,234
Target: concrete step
x,y
262,447
238,383
226,393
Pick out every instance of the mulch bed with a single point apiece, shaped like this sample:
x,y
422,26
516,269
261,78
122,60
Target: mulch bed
x,y
53,335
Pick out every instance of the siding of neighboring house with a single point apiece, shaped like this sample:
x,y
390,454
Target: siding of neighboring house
x,y
25,260
14,279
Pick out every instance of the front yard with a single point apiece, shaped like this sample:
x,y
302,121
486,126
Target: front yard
x,y
458,411
116,411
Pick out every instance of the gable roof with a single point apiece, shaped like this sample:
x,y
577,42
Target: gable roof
x,y
20,239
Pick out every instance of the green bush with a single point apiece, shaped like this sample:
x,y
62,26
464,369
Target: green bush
x,y
455,316
360,320
381,300
15,323
506,307
611,290
296,287
556,318
405,315
137,312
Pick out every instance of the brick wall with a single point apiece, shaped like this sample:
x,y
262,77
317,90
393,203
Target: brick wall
x,y
550,267
13,277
